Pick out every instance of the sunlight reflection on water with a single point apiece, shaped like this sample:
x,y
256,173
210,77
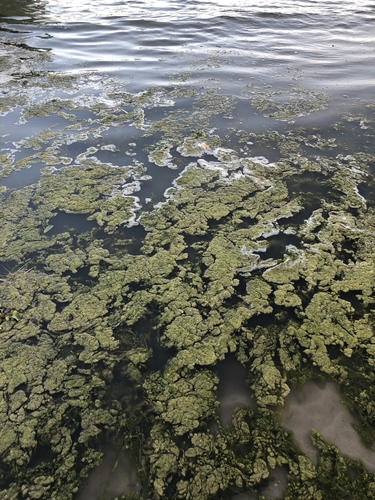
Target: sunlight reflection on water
x,y
88,10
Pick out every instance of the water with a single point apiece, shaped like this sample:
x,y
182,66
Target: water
x,y
108,110
329,416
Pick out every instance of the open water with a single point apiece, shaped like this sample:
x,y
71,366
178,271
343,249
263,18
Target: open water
x,y
323,49
225,70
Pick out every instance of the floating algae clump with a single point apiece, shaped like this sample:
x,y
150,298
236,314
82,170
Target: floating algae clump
x,y
288,105
201,283
48,390
105,331
206,311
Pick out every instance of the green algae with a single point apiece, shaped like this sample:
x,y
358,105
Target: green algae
x,y
197,321
287,105
320,263
42,413
204,283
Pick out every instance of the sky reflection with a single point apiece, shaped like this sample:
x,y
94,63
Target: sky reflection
x,y
70,11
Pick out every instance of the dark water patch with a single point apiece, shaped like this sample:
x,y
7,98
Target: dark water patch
x,y
196,246
264,320
241,289
355,134
248,222
371,167
252,119
367,191
162,178
356,212
214,225
43,453
181,161
192,239
82,276
60,306
63,222
334,352
233,391
221,122
277,246
23,177
75,148
254,145
33,341
148,334
355,301
311,202
160,355
208,157
304,291
309,183
9,268
275,486
157,113
131,239
36,121
115,156
347,251
235,300
67,349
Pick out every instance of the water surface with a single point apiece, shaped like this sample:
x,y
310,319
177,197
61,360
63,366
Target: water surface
x,y
167,167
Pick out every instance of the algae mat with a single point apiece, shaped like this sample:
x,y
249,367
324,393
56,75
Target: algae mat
x,y
119,296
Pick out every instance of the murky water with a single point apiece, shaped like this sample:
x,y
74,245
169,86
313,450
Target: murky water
x,y
187,204
321,408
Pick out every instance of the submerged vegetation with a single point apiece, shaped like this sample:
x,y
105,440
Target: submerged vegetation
x,y
128,301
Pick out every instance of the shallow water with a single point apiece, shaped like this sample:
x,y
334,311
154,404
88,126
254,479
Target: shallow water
x,y
114,476
141,92
321,408
233,391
